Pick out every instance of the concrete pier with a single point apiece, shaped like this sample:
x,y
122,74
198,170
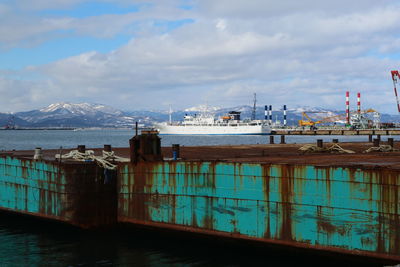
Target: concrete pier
x,y
334,132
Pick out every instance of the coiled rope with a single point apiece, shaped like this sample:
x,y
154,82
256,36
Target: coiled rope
x,y
103,161
381,148
309,148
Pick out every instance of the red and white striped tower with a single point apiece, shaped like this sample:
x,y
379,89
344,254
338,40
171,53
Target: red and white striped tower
x,y
358,103
395,77
347,108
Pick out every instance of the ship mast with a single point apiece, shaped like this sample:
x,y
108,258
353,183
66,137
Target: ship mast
x,y
170,115
253,114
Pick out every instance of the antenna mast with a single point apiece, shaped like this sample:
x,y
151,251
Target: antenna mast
x,y
170,114
253,114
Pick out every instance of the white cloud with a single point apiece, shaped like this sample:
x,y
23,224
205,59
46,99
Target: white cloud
x,y
294,53
20,26
243,9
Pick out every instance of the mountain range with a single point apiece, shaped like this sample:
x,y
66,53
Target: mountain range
x,y
80,115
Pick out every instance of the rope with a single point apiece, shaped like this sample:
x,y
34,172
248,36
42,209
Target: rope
x,y
339,149
111,156
311,148
381,148
103,161
333,149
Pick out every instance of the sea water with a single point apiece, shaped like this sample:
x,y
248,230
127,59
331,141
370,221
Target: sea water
x,y
51,139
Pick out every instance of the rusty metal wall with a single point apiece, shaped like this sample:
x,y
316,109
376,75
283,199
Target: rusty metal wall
x,y
73,193
343,209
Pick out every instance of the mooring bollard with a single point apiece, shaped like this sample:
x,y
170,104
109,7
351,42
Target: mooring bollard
x,y
271,139
81,148
283,139
391,142
370,138
107,148
335,141
376,142
175,151
38,154
320,143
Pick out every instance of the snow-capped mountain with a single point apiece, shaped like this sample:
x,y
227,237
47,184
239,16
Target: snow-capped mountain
x,y
81,108
99,115
77,115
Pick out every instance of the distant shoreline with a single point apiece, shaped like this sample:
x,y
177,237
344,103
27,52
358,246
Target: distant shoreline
x,y
66,129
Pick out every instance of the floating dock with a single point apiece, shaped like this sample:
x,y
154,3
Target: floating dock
x,y
345,204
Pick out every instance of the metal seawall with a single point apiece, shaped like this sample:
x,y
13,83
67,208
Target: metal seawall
x,y
74,193
342,209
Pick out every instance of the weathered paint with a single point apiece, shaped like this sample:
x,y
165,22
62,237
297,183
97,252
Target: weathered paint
x,y
74,193
345,209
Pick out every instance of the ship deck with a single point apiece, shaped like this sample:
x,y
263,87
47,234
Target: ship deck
x,y
261,153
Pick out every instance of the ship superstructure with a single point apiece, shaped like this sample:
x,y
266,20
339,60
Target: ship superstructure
x,y
205,124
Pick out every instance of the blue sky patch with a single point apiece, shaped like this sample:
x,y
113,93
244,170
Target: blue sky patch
x,y
58,49
168,26
90,9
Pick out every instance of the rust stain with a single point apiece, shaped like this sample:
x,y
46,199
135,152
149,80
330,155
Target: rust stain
x,y
210,176
208,220
286,187
366,241
266,170
138,209
24,171
328,181
172,175
173,209
326,227
266,180
194,218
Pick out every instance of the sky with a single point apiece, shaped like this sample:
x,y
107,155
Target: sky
x,y
148,55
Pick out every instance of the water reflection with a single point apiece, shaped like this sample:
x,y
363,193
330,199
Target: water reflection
x,y
30,242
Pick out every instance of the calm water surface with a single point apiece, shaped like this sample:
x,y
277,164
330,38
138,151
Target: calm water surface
x,y
29,139
30,242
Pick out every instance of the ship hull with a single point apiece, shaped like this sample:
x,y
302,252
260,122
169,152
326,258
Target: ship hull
x,y
213,130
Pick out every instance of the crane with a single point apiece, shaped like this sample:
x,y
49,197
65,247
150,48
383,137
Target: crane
x,y
395,78
308,121
341,117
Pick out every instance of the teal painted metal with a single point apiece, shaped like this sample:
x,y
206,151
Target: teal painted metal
x,y
33,187
348,209
73,193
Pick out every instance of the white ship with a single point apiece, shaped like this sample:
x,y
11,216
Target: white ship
x,y
208,125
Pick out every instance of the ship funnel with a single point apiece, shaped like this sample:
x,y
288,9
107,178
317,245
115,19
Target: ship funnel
x,y
284,115
266,113
270,114
235,115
